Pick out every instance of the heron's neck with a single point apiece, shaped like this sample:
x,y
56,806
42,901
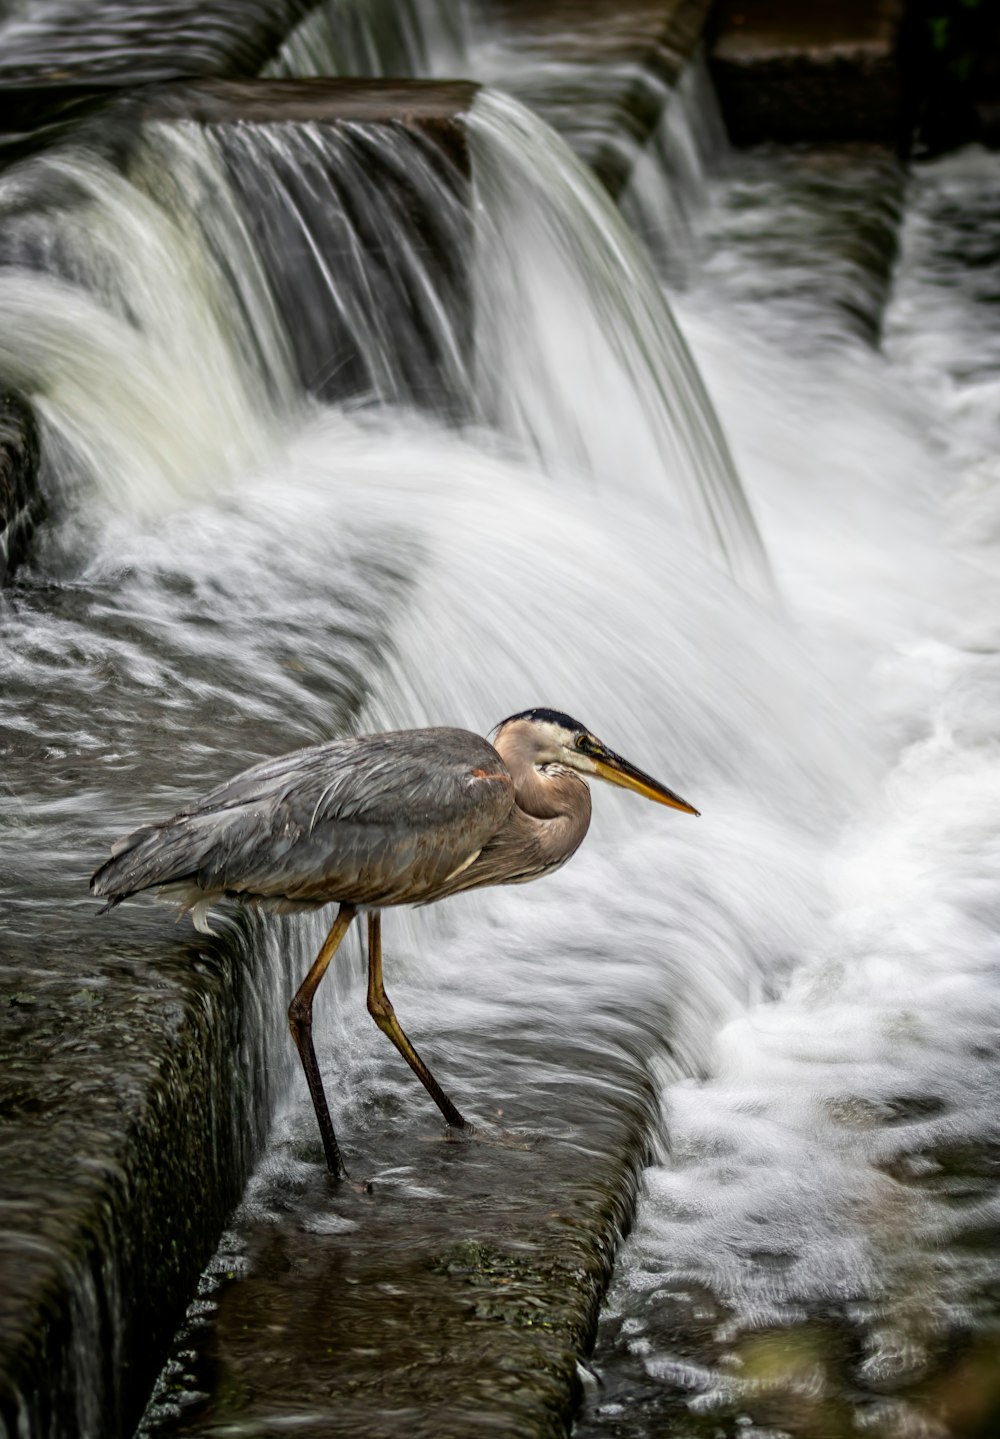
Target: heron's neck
x,y
552,793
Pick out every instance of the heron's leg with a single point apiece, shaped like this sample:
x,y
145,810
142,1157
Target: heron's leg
x,y
381,1010
300,1023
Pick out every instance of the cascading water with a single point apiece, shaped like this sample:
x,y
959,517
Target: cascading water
x,y
372,37
363,231
567,545
669,184
550,237
152,391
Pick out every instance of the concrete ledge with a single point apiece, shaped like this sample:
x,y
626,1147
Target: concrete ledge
x,y
122,1152
458,1303
435,108
20,502
826,72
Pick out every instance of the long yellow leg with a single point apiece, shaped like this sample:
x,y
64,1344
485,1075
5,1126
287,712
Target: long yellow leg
x,y
381,1010
300,1023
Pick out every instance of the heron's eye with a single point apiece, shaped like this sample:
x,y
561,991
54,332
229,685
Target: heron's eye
x,y
585,743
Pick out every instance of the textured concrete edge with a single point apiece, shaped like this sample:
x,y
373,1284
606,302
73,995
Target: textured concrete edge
x,y
20,498
99,1281
437,108
478,1306
797,77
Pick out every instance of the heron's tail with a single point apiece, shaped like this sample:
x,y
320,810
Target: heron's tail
x,y
153,855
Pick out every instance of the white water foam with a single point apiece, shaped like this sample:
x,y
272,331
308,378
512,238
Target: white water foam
x,y
808,1171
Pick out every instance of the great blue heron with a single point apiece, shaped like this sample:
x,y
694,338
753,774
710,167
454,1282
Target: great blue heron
x,y
400,818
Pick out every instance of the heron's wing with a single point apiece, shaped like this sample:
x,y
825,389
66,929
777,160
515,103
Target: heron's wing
x,y
382,819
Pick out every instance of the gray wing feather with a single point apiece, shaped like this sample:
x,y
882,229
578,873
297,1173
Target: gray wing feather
x,y
381,819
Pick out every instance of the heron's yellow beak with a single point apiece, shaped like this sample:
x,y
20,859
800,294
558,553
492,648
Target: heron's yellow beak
x,y
618,771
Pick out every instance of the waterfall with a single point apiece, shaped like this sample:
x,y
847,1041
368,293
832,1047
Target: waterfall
x,y
136,316
246,554
579,355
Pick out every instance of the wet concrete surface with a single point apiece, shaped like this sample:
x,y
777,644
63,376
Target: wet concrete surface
x,y
454,1298
139,1062
121,1149
828,72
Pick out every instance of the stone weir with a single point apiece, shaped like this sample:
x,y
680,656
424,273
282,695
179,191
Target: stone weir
x,y
378,169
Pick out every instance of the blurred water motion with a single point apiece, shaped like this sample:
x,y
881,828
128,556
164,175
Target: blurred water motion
x,y
816,1254
231,567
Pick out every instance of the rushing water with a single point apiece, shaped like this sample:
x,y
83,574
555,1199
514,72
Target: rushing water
x,y
230,568
375,37
816,1250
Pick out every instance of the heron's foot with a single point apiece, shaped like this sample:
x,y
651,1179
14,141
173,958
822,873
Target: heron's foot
x,y
338,1179
483,1134
460,1133
353,1186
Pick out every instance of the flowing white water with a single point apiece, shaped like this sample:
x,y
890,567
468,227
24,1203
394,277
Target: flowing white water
x,y
604,389
669,184
151,390
832,1167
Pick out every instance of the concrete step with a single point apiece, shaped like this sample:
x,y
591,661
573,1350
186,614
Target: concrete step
x,y
824,72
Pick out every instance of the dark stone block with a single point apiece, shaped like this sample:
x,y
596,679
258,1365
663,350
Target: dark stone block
x,y
821,73
120,1156
20,501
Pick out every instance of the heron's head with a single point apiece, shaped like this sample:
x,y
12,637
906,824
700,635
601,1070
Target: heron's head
x,y
545,738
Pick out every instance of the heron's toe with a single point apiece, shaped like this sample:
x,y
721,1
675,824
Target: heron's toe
x,y
486,1134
